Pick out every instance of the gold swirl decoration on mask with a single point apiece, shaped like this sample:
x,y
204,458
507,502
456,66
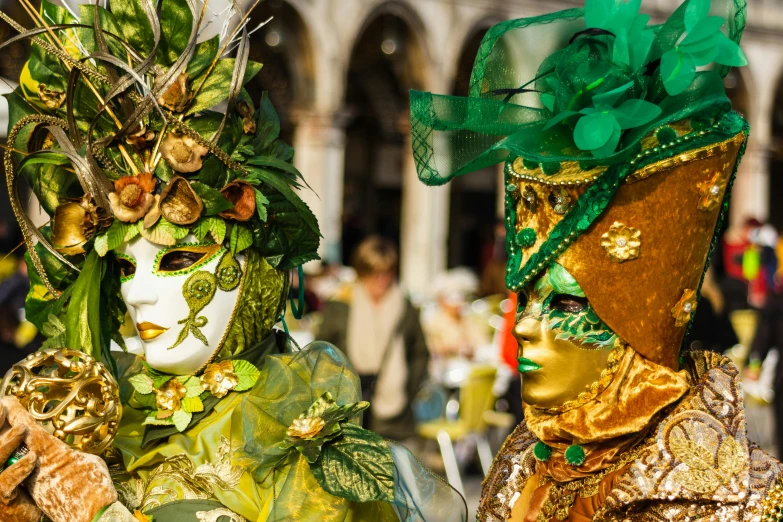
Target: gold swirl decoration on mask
x,y
71,394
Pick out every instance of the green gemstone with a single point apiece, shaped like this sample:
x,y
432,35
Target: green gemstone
x,y
542,452
575,455
526,237
550,167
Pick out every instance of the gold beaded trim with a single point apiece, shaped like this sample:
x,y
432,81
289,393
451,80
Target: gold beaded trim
x,y
561,497
603,382
701,153
570,173
772,507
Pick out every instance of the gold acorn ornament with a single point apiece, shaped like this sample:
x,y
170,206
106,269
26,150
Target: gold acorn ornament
x,y
80,404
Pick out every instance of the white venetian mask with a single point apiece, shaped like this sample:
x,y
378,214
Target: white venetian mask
x,y
179,335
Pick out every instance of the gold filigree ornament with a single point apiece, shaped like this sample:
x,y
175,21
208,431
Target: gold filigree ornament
x,y
70,394
621,242
772,507
700,473
711,192
685,308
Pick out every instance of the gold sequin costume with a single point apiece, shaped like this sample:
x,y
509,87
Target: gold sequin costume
x,y
697,465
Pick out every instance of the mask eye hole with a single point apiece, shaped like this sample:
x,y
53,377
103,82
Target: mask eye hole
x,y
522,299
127,268
179,260
569,304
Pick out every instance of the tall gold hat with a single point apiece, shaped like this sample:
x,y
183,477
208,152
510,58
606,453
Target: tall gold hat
x,y
620,150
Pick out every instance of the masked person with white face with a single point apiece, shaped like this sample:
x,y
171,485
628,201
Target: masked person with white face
x,y
187,219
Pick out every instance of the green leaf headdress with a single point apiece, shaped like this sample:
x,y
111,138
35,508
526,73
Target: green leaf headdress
x,y
112,128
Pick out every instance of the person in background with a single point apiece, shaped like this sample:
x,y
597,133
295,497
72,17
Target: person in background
x,y
450,331
769,335
378,327
737,263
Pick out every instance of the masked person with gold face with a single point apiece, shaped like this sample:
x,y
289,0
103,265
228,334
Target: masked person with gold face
x,y
620,150
188,218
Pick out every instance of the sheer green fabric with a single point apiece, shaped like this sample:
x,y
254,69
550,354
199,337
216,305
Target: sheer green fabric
x,y
500,120
289,384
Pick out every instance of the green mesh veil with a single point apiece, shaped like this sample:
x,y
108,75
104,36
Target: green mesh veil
x,y
579,85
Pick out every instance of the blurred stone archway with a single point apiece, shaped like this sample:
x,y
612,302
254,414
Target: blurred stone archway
x,y
387,60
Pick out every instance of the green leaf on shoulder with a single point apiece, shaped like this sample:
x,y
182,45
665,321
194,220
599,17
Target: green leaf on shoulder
x,y
181,419
192,405
247,374
358,466
142,383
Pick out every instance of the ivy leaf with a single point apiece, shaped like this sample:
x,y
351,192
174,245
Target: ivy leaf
x,y
215,88
192,405
181,419
358,466
211,225
142,383
247,373
192,384
164,233
241,238
54,331
203,55
117,235
635,113
214,202
677,71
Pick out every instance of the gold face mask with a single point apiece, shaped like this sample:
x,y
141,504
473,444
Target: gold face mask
x,y
563,344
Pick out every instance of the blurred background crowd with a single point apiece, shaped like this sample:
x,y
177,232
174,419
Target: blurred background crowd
x,y
411,282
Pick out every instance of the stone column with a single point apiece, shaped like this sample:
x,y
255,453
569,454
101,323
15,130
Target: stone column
x,y
750,197
319,142
425,219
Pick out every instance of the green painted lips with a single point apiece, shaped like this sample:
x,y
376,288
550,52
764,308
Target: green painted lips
x,y
526,365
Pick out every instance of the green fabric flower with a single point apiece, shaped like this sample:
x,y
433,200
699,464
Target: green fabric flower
x,y
703,44
600,127
632,37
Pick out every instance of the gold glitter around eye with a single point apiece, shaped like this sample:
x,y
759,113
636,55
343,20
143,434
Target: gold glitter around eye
x,y
210,252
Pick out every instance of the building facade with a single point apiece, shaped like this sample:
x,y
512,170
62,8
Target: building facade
x,y
340,71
